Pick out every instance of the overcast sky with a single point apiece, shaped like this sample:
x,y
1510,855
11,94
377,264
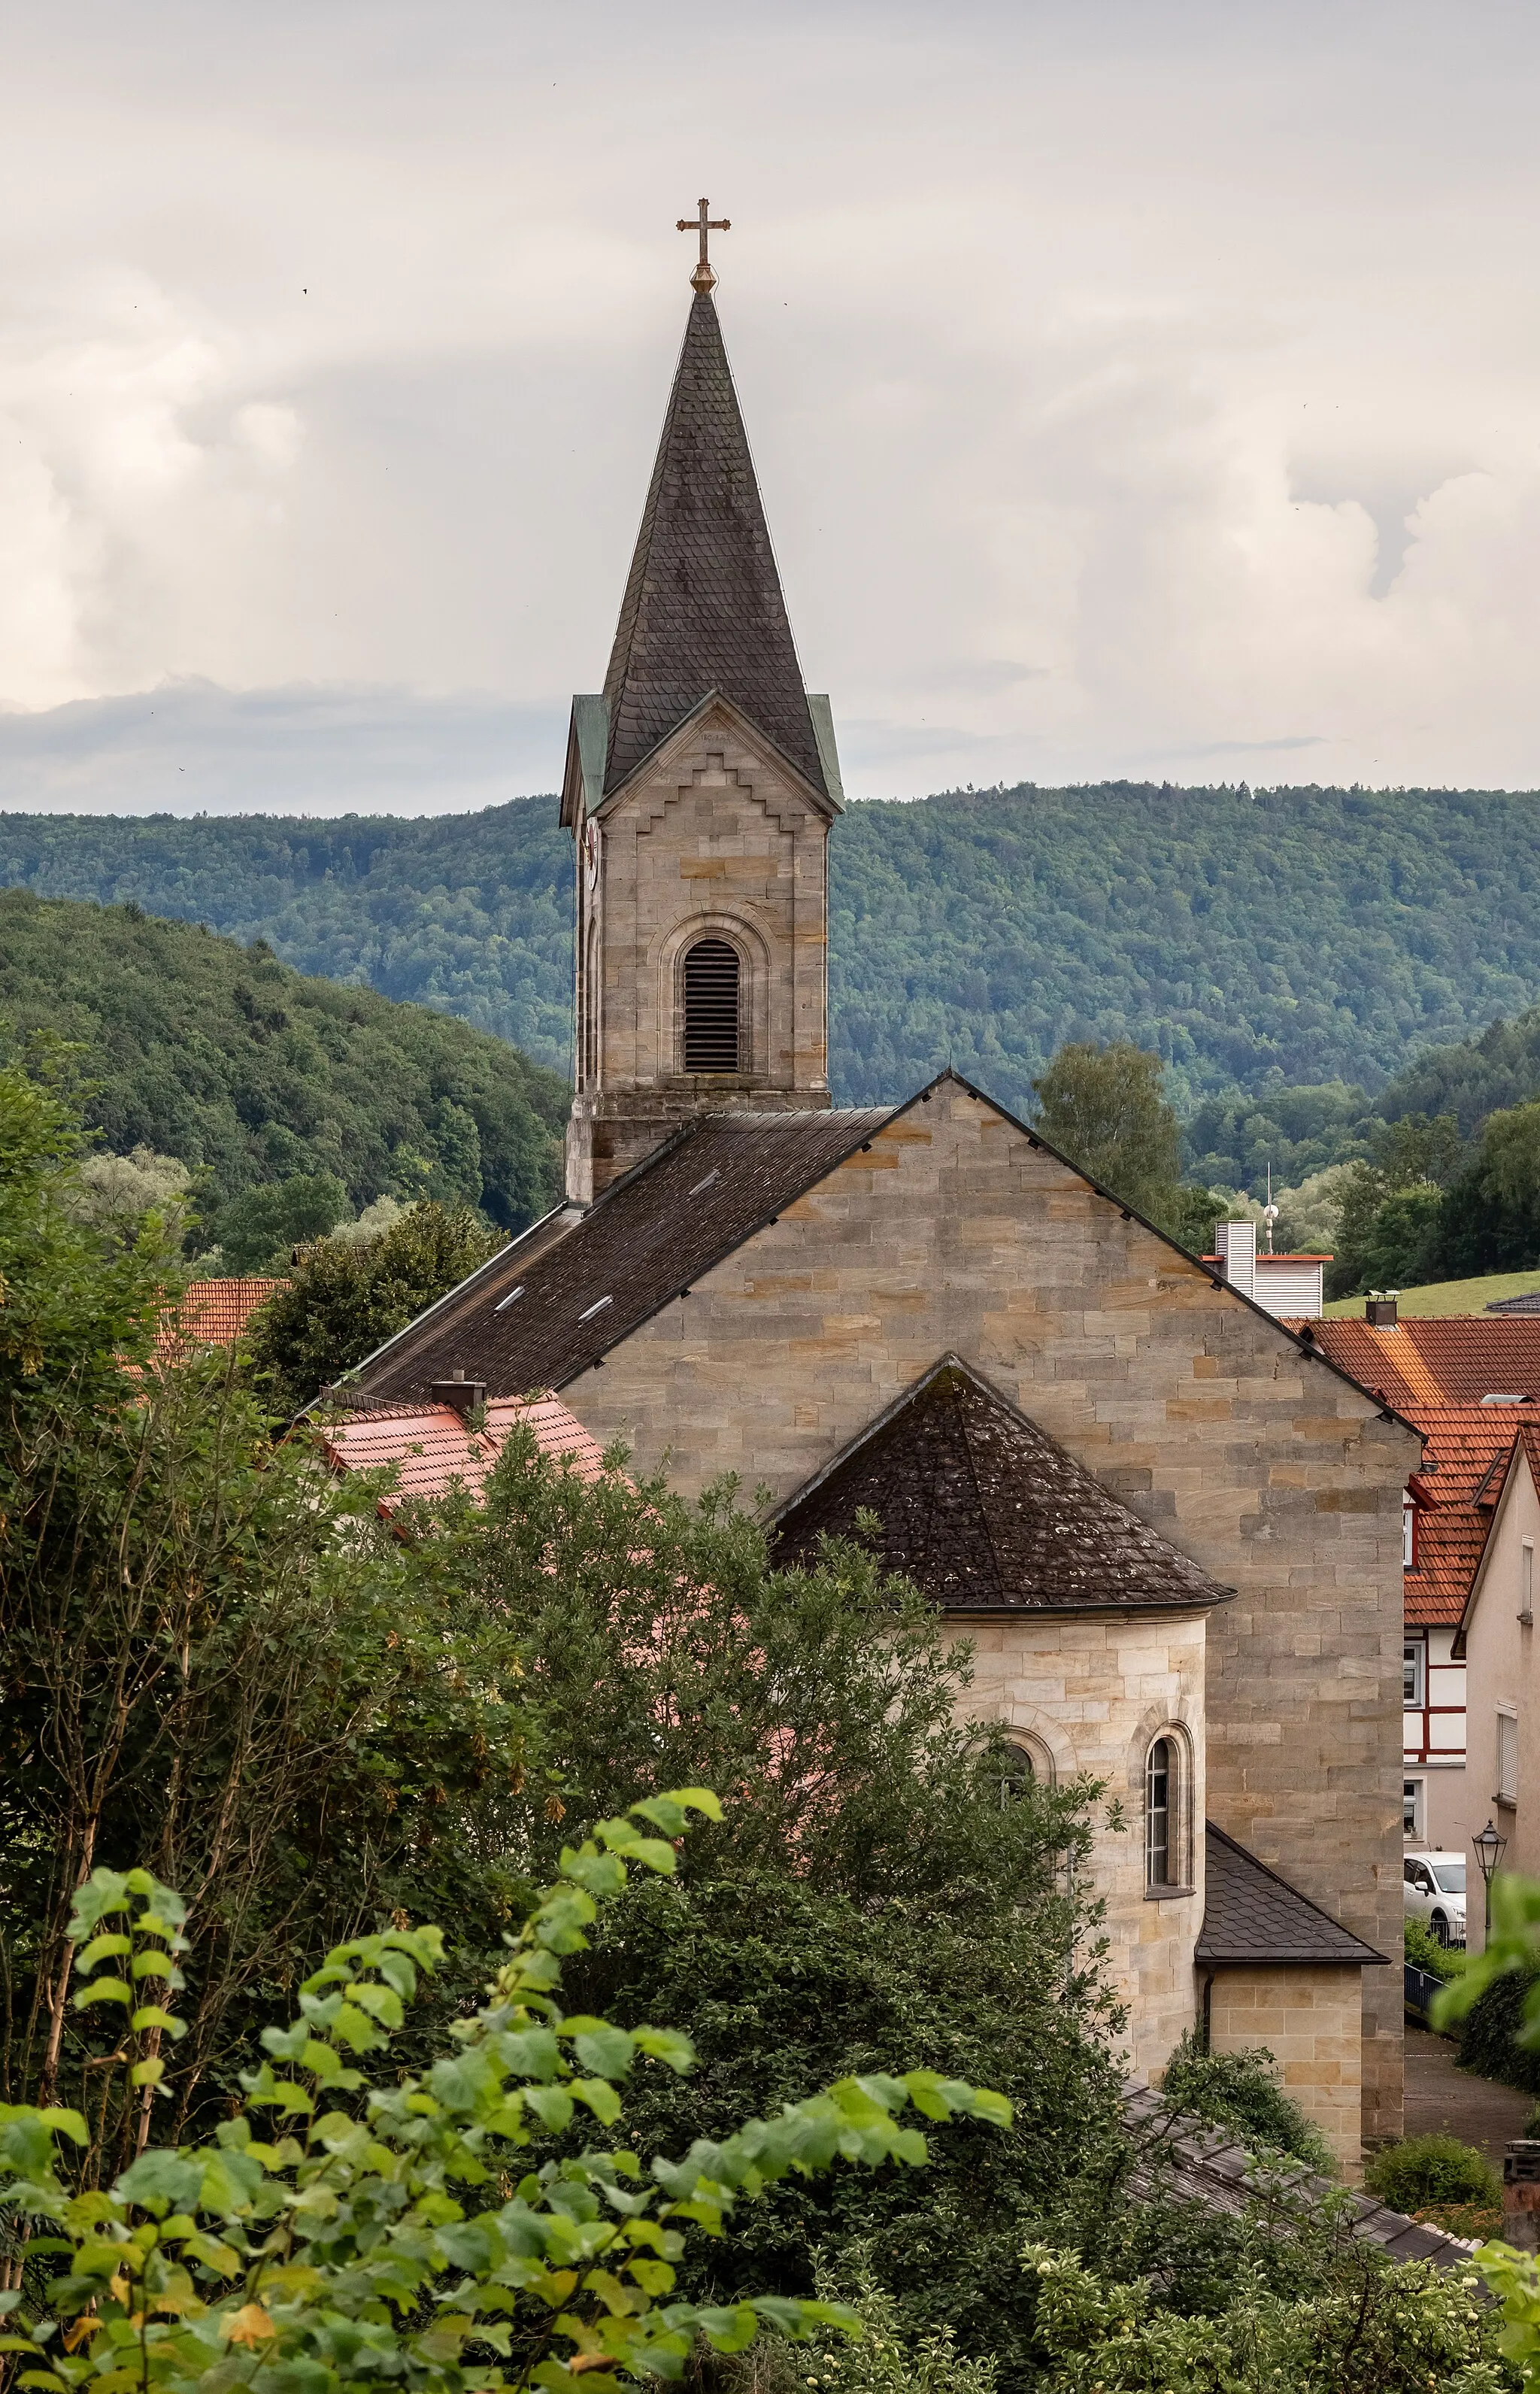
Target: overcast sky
x,y
1145,389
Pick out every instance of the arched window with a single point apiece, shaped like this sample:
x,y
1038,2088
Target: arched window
x,y
711,1007
1016,1774
1161,1845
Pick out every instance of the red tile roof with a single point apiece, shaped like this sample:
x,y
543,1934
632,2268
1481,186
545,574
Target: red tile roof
x,y
433,1448
212,1313
1455,1361
1465,1462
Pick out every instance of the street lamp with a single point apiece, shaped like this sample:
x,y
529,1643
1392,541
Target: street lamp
x,y
1490,1849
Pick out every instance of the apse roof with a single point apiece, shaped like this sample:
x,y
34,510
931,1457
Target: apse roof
x,y
1251,1914
704,610
985,1512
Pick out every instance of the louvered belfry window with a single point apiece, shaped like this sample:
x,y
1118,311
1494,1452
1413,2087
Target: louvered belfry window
x,y
711,1007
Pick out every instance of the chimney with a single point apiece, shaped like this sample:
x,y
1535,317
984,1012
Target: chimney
x,y
1379,1312
461,1396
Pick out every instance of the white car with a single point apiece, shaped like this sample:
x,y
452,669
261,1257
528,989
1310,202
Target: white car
x,y
1434,1892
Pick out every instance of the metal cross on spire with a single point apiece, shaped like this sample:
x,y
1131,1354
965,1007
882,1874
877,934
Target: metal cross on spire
x,y
703,223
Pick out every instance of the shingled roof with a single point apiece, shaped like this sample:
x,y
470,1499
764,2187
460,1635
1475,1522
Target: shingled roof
x,y
551,1304
704,608
1181,2158
1251,1914
985,1512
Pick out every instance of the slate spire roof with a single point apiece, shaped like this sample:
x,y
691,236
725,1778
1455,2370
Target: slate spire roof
x,y
985,1512
704,610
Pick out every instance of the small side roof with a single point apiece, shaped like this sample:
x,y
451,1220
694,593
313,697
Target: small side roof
x,y
434,1449
1184,2157
1252,1915
985,1512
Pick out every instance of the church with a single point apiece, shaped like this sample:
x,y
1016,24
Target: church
x,y
1171,1527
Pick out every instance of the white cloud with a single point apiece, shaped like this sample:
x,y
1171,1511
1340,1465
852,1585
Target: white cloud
x,y
1150,388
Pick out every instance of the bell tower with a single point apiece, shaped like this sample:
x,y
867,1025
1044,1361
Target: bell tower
x,y
700,787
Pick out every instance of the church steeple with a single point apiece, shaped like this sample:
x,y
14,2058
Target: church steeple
x,y
700,788
704,608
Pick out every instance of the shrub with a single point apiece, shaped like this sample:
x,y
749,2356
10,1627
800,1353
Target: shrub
x,y
1240,2091
379,2232
1425,1953
1422,2171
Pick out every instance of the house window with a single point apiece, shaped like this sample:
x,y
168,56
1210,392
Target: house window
x,y
1526,1579
1413,1658
1408,1536
1161,1791
1507,1790
1411,1807
711,1007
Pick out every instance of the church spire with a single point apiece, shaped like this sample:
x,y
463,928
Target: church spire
x,y
704,610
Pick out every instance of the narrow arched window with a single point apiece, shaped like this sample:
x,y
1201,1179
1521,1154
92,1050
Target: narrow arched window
x,y
711,1007
1016,1775
1160,1813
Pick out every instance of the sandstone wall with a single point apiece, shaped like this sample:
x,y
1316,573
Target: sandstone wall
x,y
1092,1694
954,1232
1310,2020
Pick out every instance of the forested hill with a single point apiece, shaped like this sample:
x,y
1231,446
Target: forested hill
x,y
222,1056
1312,933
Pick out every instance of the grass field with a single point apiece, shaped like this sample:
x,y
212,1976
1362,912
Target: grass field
x,y
1443,1296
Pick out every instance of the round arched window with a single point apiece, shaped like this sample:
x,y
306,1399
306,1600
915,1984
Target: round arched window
x,y
1017,1773
711,1007
1160,1813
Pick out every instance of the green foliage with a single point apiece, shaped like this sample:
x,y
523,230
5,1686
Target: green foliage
x,y
259,1229
378,2228
224,1058
1369,2329
115,1192
1425,1953
1298,1132
1242,2091
213,1656
1421,2171
1303,935
1105,1109
346,1296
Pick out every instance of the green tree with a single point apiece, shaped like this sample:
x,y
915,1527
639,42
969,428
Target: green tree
x,y
380,2227
1105,1109
345,1296
259,1229
215,1657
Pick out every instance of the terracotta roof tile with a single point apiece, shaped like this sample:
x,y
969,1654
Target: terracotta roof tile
x,y
1465,1461
434,1450
1455,1361
985,1512
212,1313
1251,1914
